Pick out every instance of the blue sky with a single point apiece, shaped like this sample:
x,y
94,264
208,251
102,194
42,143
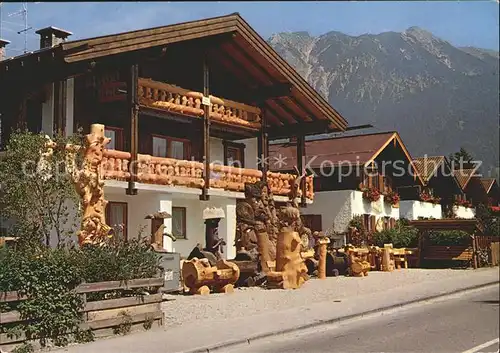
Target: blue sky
x,y
463,23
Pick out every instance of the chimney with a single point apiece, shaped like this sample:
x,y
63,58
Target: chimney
x,y
3,44
52,36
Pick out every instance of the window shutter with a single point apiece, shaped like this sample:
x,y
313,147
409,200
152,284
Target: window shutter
x,y
392,223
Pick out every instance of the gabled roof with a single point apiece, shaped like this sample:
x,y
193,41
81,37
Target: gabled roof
x,y
362,149
246,53
488,183
427,166
464,176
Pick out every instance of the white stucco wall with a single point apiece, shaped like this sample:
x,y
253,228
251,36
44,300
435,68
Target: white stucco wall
x,y
464,212
250,152
334,207
337,208
412,210
216,150
146,202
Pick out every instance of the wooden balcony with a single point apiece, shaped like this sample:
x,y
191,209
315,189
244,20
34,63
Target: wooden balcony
x,y
176,172
165,97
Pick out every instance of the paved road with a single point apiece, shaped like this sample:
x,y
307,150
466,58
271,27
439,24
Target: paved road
x,y
467,323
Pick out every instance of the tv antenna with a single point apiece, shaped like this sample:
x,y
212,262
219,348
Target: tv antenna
x,y
24,13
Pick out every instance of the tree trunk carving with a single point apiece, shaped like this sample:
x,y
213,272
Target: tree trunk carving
x,y
90,186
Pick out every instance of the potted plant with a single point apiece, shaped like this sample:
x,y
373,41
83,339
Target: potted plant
x,y
425,197
371,194
392,198
436,200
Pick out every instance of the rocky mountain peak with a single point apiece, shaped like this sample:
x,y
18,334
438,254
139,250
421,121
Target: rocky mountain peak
x,y
439,97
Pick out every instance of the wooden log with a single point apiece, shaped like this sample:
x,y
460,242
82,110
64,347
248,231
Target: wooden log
x,y
199,275
291,271
387,265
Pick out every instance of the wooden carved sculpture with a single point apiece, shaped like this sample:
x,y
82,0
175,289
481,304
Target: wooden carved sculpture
x,y
291,271
213,243
322,245
201,277
90,186
157,236
358,264
256,225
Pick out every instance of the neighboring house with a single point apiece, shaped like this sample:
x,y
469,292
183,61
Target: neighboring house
x,y
188,104
473,189
377,161
492,190
441,190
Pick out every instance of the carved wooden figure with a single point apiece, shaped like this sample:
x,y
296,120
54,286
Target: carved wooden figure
x,y
213,243
322,248
358,264
200,277
291,271
90,186
157,236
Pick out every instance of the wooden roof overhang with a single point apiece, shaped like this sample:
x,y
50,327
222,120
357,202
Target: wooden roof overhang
x,y
291,104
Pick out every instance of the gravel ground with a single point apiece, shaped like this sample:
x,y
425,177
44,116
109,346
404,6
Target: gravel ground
x,y
184,309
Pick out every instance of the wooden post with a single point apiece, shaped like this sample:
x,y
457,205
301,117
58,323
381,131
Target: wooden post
x,y
323,242
301,153
134,127
59,106
263,147
474,252
206,132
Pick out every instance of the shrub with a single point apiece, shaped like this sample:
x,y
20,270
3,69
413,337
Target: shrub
x,y
402,236
449,237
48,277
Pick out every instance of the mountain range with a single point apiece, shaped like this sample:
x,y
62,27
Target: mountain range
x,y
439,97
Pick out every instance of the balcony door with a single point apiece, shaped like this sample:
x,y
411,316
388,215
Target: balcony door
x,y
170,147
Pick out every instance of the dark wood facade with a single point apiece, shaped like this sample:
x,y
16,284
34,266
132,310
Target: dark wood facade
x,y
128,82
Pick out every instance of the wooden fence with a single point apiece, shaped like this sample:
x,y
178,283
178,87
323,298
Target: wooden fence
x,y
489,243
101,316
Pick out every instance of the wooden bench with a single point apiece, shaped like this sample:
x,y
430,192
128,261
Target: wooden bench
x,y
453,252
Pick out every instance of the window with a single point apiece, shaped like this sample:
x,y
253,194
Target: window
x,y
164,146
116,136
116,217
179,222
234,154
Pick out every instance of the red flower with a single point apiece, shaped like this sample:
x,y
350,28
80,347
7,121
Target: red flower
x,y
392,198
371,194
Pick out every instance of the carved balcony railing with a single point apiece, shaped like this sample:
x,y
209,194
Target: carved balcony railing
x,y
163,96
175,172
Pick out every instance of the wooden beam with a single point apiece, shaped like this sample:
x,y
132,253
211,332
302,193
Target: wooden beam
x,y
301,154
263,146
206,132
132,86
277,90
311,128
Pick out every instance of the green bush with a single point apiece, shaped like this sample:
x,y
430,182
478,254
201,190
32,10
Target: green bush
x,y
449,237
401,236
48,278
